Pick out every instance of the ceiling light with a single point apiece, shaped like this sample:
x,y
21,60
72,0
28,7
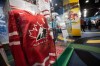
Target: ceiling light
x,y
86,1
85,12
96,13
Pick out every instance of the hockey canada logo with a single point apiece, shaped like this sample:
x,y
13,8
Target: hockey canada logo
x,y
38,34
42,33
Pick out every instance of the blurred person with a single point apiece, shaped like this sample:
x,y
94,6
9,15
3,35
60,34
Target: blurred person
x,y
98,24
55,28
89,25
82,25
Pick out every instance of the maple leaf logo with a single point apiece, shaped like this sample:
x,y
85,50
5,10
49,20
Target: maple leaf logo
x,y
37,33
33,32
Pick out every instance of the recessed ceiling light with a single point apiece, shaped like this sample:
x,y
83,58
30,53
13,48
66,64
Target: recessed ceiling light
x,y
86,1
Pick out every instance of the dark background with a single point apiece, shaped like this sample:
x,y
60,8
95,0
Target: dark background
x,y
91,6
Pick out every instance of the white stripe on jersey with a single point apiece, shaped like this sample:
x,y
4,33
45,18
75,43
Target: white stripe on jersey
x,y
52,54
14,43
13,33
51,62
42,64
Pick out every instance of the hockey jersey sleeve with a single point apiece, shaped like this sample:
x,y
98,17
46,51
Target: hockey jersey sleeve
x,y
52,48
14,41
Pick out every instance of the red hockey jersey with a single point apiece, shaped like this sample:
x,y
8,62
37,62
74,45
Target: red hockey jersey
x,y
30,40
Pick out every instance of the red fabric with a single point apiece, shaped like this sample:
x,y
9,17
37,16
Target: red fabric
x,y
35,44
1,46
82,22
